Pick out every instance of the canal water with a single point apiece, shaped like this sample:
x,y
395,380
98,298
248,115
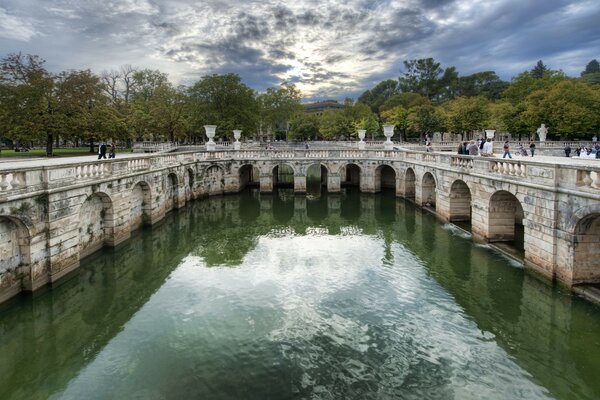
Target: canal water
x,y
348,296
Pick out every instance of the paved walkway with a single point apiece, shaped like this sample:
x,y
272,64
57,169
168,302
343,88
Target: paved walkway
x,y
24,163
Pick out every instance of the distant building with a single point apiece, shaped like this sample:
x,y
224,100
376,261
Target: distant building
x,y
320,106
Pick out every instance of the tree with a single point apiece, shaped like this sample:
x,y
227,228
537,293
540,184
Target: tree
x,y
304,126
467,114
225,101
26,100
569,108
485,83
368,123
397,116
539,70
424,119
421,77
404,99
375,97
525,83
166,111
278,106
593,67
334,124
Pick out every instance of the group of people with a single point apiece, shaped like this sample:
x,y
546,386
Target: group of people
x,y
591,151
485,148
103,148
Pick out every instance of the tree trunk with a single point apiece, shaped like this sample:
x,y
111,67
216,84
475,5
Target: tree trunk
x,y
57,145
92,145
49,140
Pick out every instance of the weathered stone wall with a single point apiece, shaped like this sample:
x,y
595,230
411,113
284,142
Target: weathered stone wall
x,y
50,218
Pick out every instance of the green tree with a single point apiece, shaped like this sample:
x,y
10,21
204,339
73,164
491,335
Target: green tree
x,y
485,83
335,124
375,97
539,70
225,101
368,123
278,106
27,103
404,99
167,111
593,67
421,76
467,114
569,108
304,126
424,119
397,116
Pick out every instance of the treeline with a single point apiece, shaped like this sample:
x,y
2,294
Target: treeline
x,y
427,98
37,106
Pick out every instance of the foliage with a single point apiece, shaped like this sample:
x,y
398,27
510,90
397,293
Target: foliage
x,y
593,67
225,101
425,119
304,126
375,97
405,99
467,114
278,106
421,76
539,70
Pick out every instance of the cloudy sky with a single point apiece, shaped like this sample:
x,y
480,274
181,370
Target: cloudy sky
x,y
329,48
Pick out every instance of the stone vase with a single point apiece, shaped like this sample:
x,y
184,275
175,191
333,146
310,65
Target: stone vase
x,y
237,134
388,132
489,133
210,134
361,136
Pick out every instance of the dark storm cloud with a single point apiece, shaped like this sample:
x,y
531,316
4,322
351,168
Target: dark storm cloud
x,y
328,47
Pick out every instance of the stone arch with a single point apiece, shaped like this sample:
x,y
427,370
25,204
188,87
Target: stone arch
x,y
459,201
586,250
140,204
95,223
190,178
385,177
214,179
14,243
505,218
319,171
409,184
171,191
283,175
351,174
428,186
248,174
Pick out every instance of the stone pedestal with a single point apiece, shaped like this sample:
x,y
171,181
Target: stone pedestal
x,y
236,135
361,136
388,132
210,134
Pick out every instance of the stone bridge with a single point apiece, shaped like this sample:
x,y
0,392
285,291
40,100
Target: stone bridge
x,y
51,216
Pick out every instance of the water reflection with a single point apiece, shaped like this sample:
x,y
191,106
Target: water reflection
x,y
65,332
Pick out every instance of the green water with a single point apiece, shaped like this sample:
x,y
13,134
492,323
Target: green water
x,y
279,296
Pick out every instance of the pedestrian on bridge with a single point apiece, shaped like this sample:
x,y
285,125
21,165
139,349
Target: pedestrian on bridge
x,y
506,150
532,148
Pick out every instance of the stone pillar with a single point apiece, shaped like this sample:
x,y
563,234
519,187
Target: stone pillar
x,y
299,183
333,183
266,183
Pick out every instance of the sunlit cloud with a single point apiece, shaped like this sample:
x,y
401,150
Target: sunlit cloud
x,y
329,48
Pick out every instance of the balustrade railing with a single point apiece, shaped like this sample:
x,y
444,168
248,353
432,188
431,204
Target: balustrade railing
x,y
570,176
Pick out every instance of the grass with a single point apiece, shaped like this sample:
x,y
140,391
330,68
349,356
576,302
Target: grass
x,y
60,152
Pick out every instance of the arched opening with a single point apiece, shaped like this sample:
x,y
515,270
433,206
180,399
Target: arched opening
x,y
586,247
351,175
249,176
95,223
409,184
214,180
172,192
191,174
506,219
460,202
316,179
428,194
385,178
140,205
283,176
14,244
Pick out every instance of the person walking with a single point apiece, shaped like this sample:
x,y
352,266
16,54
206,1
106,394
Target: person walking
x,y
488,148
567,150
112,150
506,150
532,148
102,150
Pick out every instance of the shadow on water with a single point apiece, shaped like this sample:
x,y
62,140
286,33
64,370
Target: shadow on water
x,y
47,340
